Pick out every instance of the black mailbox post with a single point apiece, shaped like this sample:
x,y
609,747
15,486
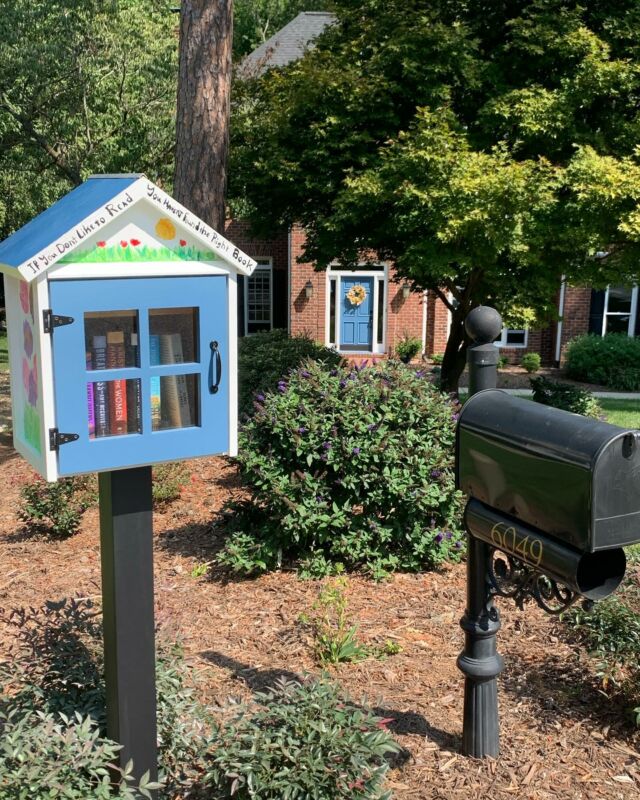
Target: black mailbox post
x,y
553,499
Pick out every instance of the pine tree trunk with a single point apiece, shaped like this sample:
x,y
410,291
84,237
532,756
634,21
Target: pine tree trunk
x,y
202,125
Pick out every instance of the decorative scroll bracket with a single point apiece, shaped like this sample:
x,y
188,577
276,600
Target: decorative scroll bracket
x,y
509,577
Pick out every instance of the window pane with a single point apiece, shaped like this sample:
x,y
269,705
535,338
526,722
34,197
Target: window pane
x,y
111,339
173,335
114,408
619,300
515,337
259,297
174,401
617,323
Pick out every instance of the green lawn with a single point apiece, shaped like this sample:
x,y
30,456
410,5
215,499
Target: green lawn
x,y
625,413
4,352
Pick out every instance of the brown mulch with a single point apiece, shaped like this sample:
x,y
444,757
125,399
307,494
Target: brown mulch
x,y
561,737
514,377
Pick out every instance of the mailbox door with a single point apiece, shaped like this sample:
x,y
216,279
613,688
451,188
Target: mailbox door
x,y
141,373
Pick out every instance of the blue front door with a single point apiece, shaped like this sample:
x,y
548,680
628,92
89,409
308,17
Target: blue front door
x,y
141,373
356,327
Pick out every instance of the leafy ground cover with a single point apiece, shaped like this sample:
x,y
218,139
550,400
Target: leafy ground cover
x,y
562,738
4,352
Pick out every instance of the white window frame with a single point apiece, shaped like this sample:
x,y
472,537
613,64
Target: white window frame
x,y
380,279
502,341
263,264
633,312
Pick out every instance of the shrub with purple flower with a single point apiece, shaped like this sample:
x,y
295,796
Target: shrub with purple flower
x,y
376,444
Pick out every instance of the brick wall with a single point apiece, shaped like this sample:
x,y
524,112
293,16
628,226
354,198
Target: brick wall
x,y
575,317
404,317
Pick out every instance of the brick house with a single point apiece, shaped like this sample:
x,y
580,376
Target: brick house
x,y
286,293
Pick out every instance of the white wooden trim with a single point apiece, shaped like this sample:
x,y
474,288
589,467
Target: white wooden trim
x,y
424,322
49,414
563,287
502,341
633,311
232,369
152,269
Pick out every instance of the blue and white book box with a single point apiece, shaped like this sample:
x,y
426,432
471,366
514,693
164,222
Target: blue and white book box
x,y
121,313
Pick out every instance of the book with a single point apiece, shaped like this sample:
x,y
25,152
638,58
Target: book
x,y
100,399
117,387
91,399
156,397
176,407
134,392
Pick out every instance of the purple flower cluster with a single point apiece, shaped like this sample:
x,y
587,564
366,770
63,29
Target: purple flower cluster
x,y
282,387
305,373
356,451
436,473
302,430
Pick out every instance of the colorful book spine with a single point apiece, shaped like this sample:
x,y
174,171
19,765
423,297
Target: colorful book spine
x,y
134,392
156,397
178,411
91,409
118,387
101,403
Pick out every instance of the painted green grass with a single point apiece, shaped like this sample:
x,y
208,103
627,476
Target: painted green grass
x,y
130,253
625,413
4,352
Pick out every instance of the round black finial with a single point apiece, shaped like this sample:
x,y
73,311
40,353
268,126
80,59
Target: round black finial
x,y
483,324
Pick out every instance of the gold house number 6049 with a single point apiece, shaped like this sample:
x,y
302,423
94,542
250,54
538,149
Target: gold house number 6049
x,y
525,548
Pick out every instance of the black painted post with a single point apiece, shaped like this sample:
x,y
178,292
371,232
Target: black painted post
x,y
479,661
126,542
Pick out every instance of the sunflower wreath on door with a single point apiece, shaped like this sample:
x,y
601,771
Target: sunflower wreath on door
x,y
357,294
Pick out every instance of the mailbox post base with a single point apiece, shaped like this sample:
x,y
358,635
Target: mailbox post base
x,y
479,660
126,545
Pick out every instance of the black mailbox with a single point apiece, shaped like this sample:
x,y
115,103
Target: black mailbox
x,y
554,473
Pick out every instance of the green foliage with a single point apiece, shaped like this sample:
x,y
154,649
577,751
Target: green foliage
x,y
53,671
611,631
612,360
566,397
42,755
408,348
335,635
625,413
108,70
255,21
4,352
437,358
56,509
168,480
200,569
486,149
502,362
298,742
349,466
266,357
531,362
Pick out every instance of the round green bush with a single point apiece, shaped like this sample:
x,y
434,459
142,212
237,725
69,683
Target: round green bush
x,y
531,362
264,358
612,360
301,741
351,467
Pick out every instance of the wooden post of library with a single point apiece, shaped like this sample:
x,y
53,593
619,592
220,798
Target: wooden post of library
x,y
126,545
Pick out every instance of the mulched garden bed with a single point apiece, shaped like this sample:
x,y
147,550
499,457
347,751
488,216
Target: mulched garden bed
x,y
561,737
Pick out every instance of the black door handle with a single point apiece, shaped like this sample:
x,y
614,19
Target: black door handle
x,y
213,387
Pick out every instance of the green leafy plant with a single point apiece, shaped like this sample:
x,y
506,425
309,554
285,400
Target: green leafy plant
x,y
168,480
200,569
265,358
52,678
335,635
612,360
437,358
531,362
56,509
408,348
611,631
565,396
301,741
348,466
503,361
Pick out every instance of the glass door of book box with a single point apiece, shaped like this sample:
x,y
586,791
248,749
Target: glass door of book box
x,y
141,374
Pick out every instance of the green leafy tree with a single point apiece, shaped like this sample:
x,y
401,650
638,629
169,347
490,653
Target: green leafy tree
x,y
85,86
487,148
255,21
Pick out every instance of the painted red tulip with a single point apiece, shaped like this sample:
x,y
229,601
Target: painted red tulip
x,y
135,242
102,244
183,242
123,243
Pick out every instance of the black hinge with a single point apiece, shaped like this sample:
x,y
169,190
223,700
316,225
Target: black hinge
x,y
52,320
56,438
